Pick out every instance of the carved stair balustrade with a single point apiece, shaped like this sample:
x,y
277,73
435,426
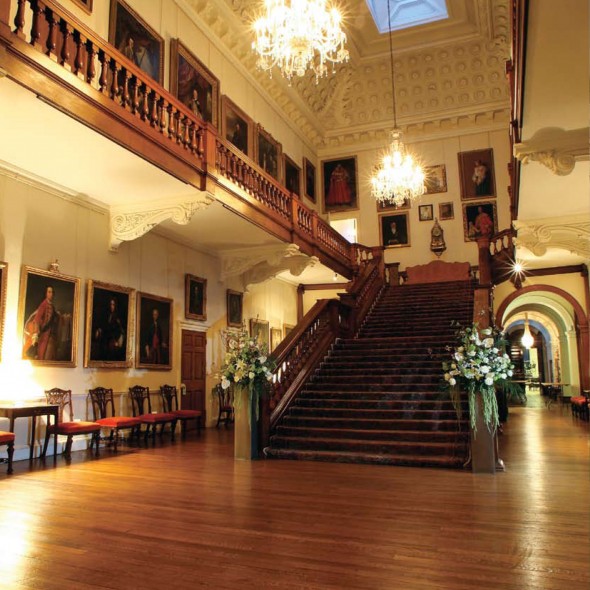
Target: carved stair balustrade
x,y
53,54
502,252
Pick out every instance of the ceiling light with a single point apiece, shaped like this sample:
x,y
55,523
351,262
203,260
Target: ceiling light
x,y
399,178
297,35
527,338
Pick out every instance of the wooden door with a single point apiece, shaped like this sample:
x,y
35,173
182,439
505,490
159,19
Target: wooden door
x,y
192,371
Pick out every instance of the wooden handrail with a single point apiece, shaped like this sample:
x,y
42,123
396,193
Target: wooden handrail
x,y
80,62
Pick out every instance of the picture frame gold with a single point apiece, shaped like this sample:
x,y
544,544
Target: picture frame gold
x,y
193,83
476,174
237,126
259,329
276,337
110,325
381,207
136,40
309,180
269,153
3,281
435,179
400,238
425,212
49,304
340,184
292,175
85,5
287,329
195,297
478,223
446,211
153,340
235,308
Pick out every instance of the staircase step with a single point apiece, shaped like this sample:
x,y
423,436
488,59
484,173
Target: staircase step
x,y
376,459
375,414
311,421
373,403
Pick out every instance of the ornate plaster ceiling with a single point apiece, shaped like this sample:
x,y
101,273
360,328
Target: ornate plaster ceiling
x,y
446,70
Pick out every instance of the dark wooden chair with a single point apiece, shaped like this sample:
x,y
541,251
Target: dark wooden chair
x,y
142,409
7,438
226,408
170,406
581,405
103,409
70,428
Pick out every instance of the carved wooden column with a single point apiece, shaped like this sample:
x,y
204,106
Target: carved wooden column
x,y
485,263
300,292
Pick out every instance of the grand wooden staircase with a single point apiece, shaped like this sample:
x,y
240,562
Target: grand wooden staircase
x,y
376,398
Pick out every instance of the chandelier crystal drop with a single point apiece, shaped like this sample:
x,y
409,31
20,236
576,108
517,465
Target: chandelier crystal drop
x,y
398,179
297,35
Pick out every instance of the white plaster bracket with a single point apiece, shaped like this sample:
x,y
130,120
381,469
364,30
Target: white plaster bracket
x,y
133,221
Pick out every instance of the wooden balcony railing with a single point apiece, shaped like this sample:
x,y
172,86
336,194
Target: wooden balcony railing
x,y
299,355
49,51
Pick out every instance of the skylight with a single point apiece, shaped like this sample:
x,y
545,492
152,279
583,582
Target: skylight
x,y
407,13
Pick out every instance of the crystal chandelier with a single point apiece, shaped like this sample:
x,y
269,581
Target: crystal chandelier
x,y
295,35
399,178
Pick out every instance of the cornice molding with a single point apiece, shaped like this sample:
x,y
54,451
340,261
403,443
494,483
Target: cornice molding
x,y
567,233
258,264
133,221
555,148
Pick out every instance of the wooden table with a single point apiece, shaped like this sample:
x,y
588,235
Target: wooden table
x,y
12,412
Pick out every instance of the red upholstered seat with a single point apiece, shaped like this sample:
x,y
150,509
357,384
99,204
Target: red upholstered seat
x,y
579,399
119,422
140,402
71,428
170,404
158,418
7,438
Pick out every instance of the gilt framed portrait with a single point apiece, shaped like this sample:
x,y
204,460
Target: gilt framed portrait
x,y
268,153
48,317
435,179
136,40
195,297
276,337
309,177
110,324
476,174
339,182
193,83
425,213
3,275
85,5
292,176
446,211
153,341
394,230
407,204
479,220
259,329
236,126
287,329
235,316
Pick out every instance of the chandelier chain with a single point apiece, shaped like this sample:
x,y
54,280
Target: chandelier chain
x,y
391,63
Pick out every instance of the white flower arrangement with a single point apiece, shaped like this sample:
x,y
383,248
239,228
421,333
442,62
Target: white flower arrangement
x,y
477,365
246,363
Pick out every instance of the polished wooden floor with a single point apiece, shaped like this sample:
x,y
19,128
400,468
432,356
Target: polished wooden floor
x,y
186,515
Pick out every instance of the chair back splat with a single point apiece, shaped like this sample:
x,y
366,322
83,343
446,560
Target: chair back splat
x,y
142,409
102,399
63,399
169,396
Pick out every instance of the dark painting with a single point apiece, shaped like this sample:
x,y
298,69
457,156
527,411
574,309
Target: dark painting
x,y
234,308
395,230
479,220
476,174
340,184
195,297
154,334
309,174
268,153
292,177
237,127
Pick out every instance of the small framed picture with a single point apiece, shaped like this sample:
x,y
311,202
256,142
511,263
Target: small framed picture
x,y
193,83
446,211
48,317
3,275
268,153
235,316
479,220
85,5
195,297
292,176
259,329
310,180
395,230
109,326
476,174
136,40
407,204
236,126
425,213
154,334
436,179
339,181
287,328
276,337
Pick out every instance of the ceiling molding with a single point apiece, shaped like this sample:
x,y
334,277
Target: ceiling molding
x,y
555,148
131,222
566,233
258,264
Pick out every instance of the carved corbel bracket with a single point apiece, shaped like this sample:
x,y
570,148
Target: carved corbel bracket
x,y
131,222
566,233
555,148
256,265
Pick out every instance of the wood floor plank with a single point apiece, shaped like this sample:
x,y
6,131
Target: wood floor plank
x,y
186,515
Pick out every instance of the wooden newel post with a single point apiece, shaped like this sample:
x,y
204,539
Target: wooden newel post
x,y
264,422
485,262
393,274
